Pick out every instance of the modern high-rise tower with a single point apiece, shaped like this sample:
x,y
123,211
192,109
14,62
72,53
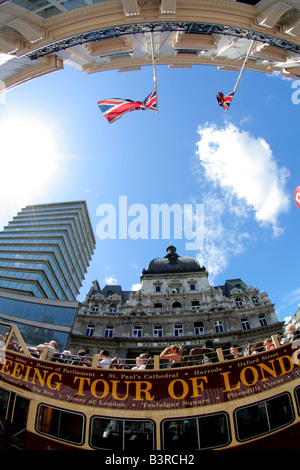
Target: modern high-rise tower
x,y
46,249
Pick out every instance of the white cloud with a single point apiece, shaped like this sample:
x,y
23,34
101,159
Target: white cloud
x,y
223,236
278,74
111,280
136,287
244,168
293,296
290,304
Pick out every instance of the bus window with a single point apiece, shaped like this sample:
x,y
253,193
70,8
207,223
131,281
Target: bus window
x,y
4,398
214,430
106,433
280,411
297,395
180,434
263,417
19,422
61,424
200,432
138,435
121,434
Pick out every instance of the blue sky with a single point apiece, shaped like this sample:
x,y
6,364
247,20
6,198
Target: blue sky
x,y
241,167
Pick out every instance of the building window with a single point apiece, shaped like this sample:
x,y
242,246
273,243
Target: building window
x,y
255,300
95,308
238,302
158,305
218,326
192,287
198,328
176,305
137,331
175,290
245,323
90,330
195,305
263,321
112,309
157,331
157,289
178,330
109,330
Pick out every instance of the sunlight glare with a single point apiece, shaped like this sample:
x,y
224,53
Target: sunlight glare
x,y
29,157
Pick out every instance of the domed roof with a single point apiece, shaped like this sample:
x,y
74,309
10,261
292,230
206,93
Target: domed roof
x,y
173,263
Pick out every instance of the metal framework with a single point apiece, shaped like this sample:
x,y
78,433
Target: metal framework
x,y
170,26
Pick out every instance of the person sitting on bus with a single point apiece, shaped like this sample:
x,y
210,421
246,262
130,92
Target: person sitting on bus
x,y
268,344
291,334
52,349
81,359
207,351
67,356
173,354
235,351
256,348
141,361
106,361
12,344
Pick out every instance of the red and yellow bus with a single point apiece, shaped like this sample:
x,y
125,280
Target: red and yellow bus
x,y
252,402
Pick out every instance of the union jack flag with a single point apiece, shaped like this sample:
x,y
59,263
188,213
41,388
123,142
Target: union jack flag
x,y
115,108
224,101
151,101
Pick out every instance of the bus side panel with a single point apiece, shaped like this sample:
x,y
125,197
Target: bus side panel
x,y
285,439
38,442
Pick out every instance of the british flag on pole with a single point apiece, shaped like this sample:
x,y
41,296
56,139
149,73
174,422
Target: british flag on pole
x,y
114,108
151,101
224,101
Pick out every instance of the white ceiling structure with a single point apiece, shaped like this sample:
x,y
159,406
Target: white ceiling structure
x,y
40,36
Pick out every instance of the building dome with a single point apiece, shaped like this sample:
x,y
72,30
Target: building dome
x,y
173,263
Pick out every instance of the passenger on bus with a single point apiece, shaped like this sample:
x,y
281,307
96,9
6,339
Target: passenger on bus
x,y
52,349
291,334
173,354
67,356
279,337
268,344
256,348
105,361
141,361
173,431
235,351
207,351
81,359
12,344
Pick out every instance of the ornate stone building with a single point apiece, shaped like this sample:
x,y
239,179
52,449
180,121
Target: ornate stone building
x,y
175,304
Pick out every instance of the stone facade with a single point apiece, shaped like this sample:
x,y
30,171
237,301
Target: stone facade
x,y
175,304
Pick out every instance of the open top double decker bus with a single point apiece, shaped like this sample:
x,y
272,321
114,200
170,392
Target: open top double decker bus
x,y
252,402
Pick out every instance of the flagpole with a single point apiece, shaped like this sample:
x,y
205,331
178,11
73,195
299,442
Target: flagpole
x,y
244,64
154,69
242,69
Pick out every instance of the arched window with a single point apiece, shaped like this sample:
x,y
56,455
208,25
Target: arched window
x,y
176,305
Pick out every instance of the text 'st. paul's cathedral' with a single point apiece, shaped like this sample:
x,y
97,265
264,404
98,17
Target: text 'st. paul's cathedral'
x,y
175,304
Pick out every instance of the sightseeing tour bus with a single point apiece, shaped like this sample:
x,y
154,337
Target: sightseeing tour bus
x,y
251,402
